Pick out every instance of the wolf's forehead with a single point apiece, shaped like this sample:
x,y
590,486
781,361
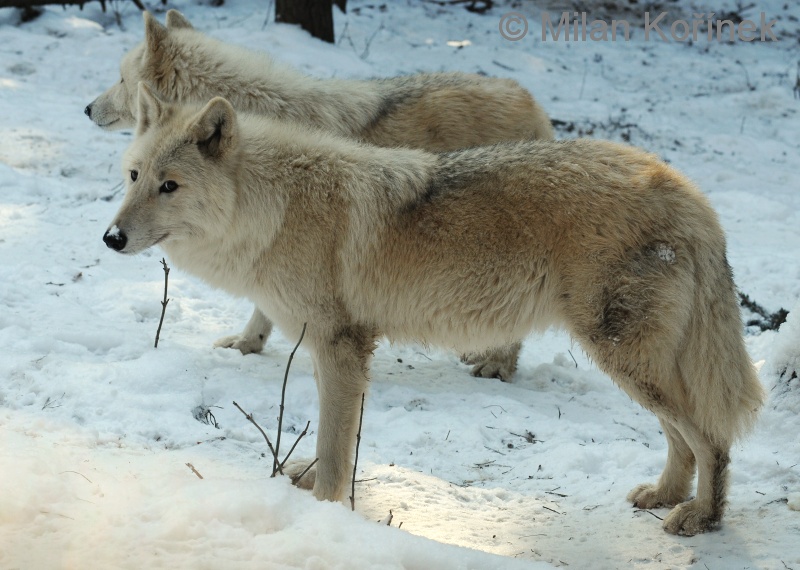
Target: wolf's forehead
x,y
156,150
131,61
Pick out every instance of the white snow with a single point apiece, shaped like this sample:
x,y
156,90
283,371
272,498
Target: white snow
x,y
665,253
97,426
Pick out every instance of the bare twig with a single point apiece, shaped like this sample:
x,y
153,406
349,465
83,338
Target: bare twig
x,y
649,512
549,509
76,473
195,471
583,81
310,465
48,403
269,443
365,54
275,466
165,301
529,437
266,18
573,358
355,462
299,437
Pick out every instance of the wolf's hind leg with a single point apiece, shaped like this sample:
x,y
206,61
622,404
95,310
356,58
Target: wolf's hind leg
x,y
252,338
495,363
676,480
704,512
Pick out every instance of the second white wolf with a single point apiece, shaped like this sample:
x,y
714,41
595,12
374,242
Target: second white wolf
x,y
466,250
432,111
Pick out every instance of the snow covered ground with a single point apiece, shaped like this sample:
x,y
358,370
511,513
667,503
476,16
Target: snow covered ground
x,y
97,427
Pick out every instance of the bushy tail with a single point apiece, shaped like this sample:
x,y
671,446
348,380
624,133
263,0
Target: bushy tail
x,y
724,389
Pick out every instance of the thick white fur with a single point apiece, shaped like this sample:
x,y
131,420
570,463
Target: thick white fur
x,y
469,250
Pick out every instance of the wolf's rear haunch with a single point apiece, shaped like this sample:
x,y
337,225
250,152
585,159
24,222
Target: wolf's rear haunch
x,y
468,249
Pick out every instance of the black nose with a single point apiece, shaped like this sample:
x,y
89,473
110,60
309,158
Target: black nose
x,y
88,110
115,239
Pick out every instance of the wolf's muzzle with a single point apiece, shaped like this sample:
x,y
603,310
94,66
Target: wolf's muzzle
x,y
88,110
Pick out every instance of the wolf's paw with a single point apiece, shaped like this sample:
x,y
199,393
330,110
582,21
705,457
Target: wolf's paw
x,y
496,363
491,364
691,518
242,343
649,496
293,470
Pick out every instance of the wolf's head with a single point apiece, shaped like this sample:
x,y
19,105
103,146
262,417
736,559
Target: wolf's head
x,y
179,172
116,108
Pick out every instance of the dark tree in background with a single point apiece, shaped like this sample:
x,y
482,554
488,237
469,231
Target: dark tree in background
x,y
315,16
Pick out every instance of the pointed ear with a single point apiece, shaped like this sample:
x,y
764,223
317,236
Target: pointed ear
x,y
149,111
176,20
154,32
214,129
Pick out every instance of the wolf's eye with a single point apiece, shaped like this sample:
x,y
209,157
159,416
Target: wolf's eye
x,y
168,186
134,175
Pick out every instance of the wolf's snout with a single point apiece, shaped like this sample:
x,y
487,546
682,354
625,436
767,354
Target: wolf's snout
x,y
88,110
115,239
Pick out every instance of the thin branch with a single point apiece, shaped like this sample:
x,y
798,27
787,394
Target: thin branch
x,y
573,358
299,437
269,443
310,465
165,301
649,512
195,471
76,473
355,463
276,466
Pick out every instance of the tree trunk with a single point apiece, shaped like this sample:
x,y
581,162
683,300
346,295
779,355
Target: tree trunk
x,y
314,16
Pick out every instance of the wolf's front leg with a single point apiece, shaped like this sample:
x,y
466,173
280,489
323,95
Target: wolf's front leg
x,y
252,338
342,362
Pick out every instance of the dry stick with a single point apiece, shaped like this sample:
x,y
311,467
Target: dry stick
x,y
269,443
299,437
165,301
646,511
276,465
355,463
195,471
310,465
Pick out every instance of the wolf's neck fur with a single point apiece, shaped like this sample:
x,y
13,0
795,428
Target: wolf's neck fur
x,y
254,83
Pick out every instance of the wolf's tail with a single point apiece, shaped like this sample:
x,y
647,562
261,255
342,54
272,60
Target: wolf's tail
x,y
723,386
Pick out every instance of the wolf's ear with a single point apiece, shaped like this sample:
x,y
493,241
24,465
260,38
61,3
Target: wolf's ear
x,y
214,129
154,32
176,20
149,111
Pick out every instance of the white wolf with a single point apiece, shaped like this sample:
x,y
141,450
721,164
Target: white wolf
x,y
468,249
433,111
